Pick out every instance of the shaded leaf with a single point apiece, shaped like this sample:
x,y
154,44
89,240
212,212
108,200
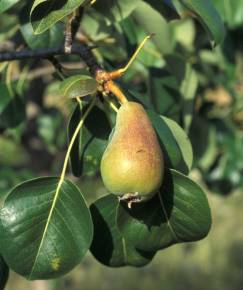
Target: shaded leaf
x,y
164,93
179,213
91,142
4,273
45,229
108,246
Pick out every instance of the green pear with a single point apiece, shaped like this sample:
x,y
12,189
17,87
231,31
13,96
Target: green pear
x,y
132,165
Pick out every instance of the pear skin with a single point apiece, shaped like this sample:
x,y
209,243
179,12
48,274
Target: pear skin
x,y
132,165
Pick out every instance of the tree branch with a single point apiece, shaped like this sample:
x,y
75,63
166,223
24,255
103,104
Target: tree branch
x,y
72,27
81,50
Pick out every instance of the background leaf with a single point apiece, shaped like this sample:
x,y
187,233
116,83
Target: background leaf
x,y
12,109
154,23
208,15
231,11
6,4
118,9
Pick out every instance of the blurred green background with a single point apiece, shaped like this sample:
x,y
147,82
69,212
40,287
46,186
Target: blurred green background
x,y
214,125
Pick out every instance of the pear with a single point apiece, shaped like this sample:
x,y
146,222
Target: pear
x,y
132,165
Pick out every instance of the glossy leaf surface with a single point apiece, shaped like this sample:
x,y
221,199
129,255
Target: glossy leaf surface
x,y
45,229
179,213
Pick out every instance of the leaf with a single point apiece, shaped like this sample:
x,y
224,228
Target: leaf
x,y
208,16
164,93
187,84
91,142
165,8
188,90
231,11
78,86
179,213
12,109
6,4
175,144
117,9
182,140
45,13
108,246
4,273
154,23
51,38
46,228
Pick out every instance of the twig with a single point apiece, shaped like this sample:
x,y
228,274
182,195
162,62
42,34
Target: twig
x,y
57,65
72,28
81,50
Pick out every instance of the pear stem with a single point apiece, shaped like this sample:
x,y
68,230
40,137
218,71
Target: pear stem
x,y
110,86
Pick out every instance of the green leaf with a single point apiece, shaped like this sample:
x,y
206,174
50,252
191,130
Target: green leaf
x,y
208,16
45,13
154,23
164,93
183,142
179,213
117,9
6,4
231,11
91,142
108,246
175,144
188,89
12,109
78,86
4,273
46,228
51,38
165,8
